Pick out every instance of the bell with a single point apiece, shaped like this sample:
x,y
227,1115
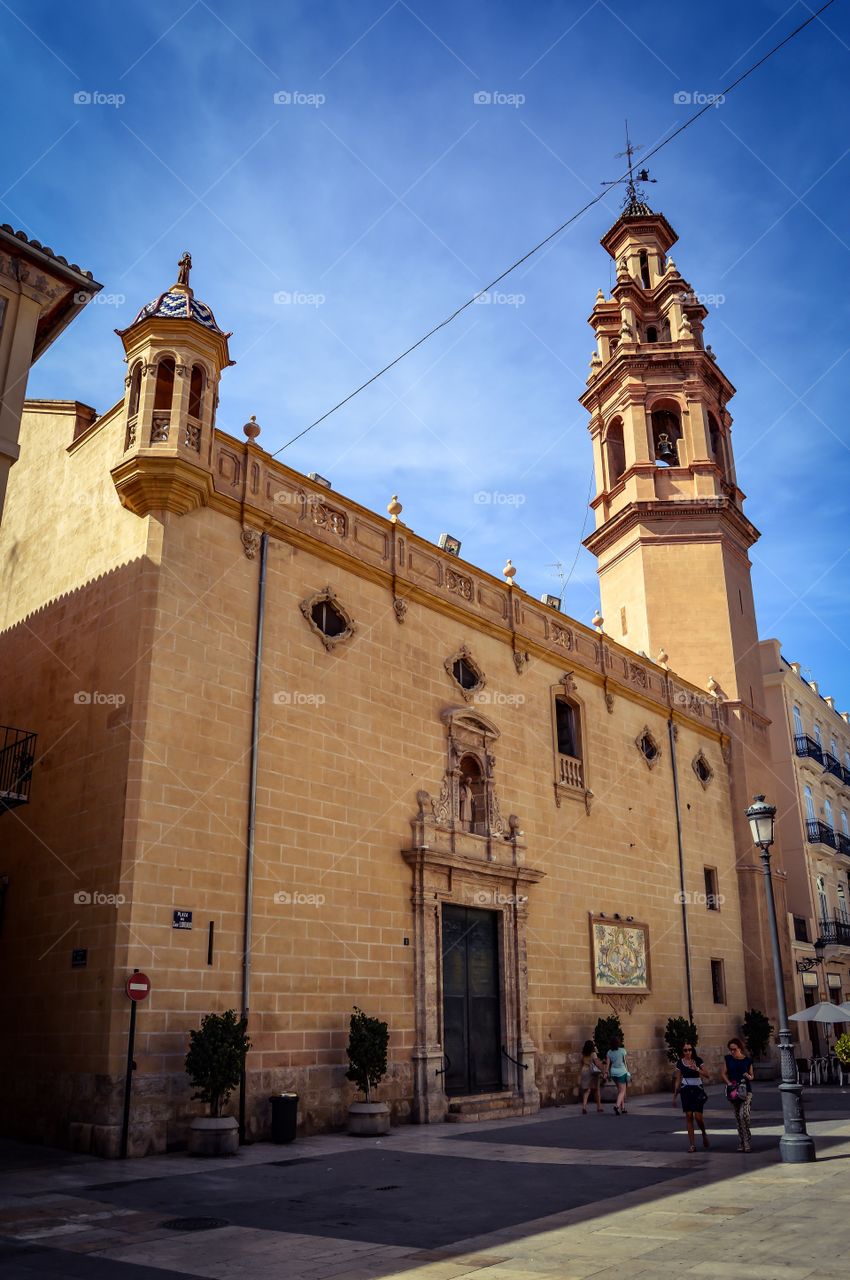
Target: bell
x,y
664,449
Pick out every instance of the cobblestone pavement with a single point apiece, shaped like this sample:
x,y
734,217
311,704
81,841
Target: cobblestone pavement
x,y
557,1195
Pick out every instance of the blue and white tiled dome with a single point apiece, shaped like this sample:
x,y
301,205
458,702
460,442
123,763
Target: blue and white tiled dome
x,y
178,304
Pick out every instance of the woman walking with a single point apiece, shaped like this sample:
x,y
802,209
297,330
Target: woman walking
x,y
690,1074
590,1076
619,1073
737,1074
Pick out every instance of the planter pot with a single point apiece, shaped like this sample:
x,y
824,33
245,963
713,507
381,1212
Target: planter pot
x,y
213,1136
765,1069
369,1119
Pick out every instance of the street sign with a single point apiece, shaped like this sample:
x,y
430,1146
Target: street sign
x,y
181,920
138,986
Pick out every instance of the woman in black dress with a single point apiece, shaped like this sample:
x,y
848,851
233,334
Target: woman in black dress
x,y
690,1074
737,1076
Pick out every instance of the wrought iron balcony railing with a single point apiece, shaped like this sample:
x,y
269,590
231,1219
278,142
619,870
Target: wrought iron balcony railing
x,y
835,933
833,766
17,756
820,833
806,746
842,843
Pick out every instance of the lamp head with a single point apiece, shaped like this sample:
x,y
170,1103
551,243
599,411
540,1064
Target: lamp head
x,y
762,818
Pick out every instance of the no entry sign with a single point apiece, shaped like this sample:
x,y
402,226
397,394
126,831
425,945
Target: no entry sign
x,y
138,986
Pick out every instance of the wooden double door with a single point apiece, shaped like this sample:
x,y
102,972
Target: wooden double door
x,y
472,1012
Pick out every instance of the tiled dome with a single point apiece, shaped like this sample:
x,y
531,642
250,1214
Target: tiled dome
x,y
178,304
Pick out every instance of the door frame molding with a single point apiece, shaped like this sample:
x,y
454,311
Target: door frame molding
x,y
440,876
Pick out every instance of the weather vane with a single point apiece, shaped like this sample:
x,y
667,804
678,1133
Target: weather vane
x,y
634,196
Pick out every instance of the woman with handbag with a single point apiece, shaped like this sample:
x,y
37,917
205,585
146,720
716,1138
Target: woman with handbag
x,y
619,1073
590,1076
737,1074
688,1082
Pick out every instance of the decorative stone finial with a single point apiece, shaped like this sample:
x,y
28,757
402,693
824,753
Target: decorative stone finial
x,y
598,621
509,573
600,296
663,658
184,266
712,686
252,428
394,508
671,266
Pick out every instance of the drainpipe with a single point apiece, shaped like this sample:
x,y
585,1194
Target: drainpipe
x,y
671,730
252,815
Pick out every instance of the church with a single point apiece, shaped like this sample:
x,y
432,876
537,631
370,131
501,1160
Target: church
x,y
293,757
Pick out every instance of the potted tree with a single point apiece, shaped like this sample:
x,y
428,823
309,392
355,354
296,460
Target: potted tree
x,y
214,1064
367,1056
606,1030
842,1050
757,1031
678,1033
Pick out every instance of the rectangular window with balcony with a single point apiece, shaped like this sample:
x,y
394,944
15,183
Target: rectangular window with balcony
x,y
570,765
712,897
718,982
798,723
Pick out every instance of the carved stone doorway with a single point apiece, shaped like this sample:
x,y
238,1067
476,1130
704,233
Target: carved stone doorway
x,y
469,870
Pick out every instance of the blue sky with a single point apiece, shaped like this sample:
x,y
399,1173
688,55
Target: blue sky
x,y
382,195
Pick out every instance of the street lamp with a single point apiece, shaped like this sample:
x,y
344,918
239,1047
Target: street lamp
x,y
795,1145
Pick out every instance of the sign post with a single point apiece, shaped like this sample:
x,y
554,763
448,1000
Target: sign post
x,y
137,988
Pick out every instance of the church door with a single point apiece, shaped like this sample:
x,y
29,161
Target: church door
x,y
472,1037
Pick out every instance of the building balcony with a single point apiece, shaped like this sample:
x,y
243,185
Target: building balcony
x,y
842,843
806,746
820,833
833,766
835,933
570,772
17,756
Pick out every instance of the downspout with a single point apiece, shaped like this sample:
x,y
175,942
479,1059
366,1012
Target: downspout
x,y
252,815
683,897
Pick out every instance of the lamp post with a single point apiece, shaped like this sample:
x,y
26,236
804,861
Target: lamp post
x,y
795,1145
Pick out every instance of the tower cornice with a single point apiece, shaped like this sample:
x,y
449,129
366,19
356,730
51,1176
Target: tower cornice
x,y
618,526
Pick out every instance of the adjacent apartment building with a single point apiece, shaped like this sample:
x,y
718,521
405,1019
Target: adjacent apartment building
x,y
810,753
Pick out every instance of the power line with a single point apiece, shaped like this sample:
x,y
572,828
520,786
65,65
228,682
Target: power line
x,y
709,105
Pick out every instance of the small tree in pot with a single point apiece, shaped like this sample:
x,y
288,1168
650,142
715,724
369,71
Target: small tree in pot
x,y
605,1032
368,1039
757,1031
678,1033
214,1064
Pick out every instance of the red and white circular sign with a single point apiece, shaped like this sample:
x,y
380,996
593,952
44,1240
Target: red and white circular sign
x,y
138,986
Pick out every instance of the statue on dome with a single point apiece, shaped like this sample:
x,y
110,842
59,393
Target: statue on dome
x,y
184,266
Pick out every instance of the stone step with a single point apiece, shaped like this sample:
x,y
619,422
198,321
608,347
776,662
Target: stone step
x,y
487,1106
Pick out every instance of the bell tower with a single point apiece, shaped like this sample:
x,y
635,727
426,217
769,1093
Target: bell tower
x,y
175,355
671,537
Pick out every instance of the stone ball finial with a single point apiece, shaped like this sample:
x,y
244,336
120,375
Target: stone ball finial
x,y
252,428
600,296
394,508
509,573
598,621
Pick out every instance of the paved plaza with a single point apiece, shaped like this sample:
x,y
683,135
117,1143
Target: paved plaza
x,y
560,1195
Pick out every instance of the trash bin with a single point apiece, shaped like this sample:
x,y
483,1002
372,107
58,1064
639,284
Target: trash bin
x,y
284,1116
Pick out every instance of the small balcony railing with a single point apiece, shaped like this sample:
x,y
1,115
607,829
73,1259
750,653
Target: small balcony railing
x,y
842,843
833,766
17,756
570,772
835,933
806,746
820,833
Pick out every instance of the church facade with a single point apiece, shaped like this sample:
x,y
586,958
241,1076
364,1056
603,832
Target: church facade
x,y
298,758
